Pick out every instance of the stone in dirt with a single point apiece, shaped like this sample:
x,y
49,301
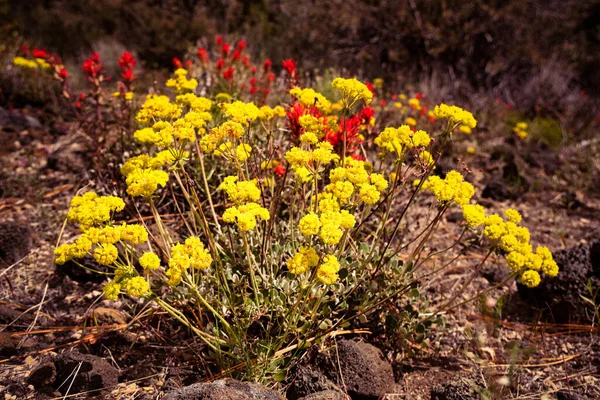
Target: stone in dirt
x,y
75,373
325,395
366,374
225,389
560,297
309,380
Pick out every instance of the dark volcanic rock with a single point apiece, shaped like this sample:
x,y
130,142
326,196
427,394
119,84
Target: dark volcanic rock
x,y
308,381
455,389
92,373
226,389
365,372
560,297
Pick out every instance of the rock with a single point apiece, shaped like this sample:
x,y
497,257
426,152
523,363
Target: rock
x,y
81,275
569,395
225,389
69,154
325,395
15,242
92,373
456,389
308,381
560,297
42,375
366,374
109,316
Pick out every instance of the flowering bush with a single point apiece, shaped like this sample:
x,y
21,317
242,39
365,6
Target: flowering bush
x,y
292,212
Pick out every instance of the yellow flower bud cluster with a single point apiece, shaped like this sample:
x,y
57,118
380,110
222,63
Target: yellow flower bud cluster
x,y
90,209
451,188
306,163
157,107
352,90
245,215
180,82
303,260
266,113
240,112
191,254
513,239
455,115
398,140
520,130
244,194
310,98
327,272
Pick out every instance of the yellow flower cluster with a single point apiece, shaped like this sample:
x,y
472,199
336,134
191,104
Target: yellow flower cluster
x,y
149,261
157,107
143,182
451,188
306,163
352,90
327,272
243,113
23,62
105,239
228,129
397,140
455,114
520,129
191,254
245,215
240,192
514,240
90,209
180,83
239,153
266,113
305,258
310,98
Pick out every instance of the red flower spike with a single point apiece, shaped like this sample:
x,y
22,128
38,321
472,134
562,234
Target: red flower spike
x,y
219,40
241,45
63,73
220,64
290,66
202,55
228,74
236,55
177,62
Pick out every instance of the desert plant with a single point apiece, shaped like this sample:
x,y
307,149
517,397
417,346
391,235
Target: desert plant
x,y
292,235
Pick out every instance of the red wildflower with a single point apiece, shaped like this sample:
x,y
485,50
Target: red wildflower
x,y
228,74
236,54
225,49
290,66
371,88
246,60
189,63
271,76
128,76
351,126
219,40
126,61
241,45
40,53
279,170
394,96
177,62
420,96
267,65
202,55
220,64
382,102
253,70
424,111
63,73
92,67
252,89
